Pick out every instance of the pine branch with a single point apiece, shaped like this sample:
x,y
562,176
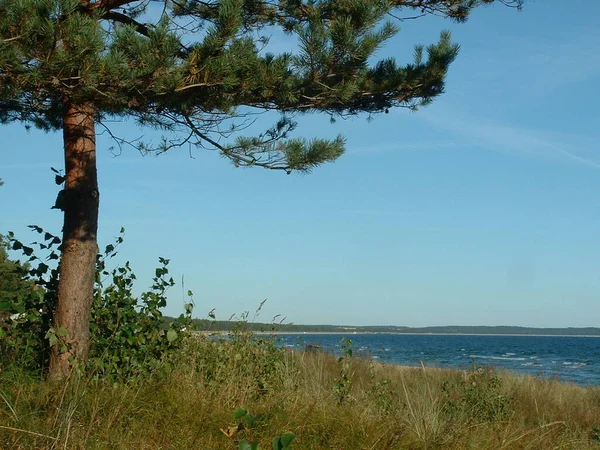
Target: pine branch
x,y
123,19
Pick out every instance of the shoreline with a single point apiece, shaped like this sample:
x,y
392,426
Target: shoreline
x,y
356,333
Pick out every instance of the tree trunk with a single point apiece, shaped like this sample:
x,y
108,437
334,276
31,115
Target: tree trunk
x,y
78,261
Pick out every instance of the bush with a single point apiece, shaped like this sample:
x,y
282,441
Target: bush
x,y
242,363
128,336
478,397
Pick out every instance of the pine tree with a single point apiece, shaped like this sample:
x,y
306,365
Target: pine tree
x,y
189,70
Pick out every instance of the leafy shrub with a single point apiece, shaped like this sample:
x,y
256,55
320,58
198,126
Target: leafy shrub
x,y
343,385
27,317
382,393
255,362
477,397
127,333
240,366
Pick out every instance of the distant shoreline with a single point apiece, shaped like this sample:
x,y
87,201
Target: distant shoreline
x,y
356,333
443,330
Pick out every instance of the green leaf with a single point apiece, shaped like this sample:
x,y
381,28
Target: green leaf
x,y
62,332
249,419
245,445
284,441
239,413
6,306
171,335
287,438
51,336
276,443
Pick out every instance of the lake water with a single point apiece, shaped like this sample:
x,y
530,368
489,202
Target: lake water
x,y
574,359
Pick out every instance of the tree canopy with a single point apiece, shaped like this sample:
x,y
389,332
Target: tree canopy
x,y
197,61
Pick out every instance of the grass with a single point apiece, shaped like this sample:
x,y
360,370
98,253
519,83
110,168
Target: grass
x,y
191,406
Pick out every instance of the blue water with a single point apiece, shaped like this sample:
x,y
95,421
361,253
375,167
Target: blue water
x,y
574,359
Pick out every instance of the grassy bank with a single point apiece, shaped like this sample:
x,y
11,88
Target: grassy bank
x,y
327,403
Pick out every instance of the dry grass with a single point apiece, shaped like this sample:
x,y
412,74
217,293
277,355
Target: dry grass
x,y
388,407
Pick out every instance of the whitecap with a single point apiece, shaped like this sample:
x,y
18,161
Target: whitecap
x,y
501,358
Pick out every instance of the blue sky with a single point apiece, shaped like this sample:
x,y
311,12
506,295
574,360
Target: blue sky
x,y
481,209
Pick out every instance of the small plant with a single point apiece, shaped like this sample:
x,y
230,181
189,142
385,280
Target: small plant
x,y
382,393
255,361
283,442
27,334
478,396
344,382
244,420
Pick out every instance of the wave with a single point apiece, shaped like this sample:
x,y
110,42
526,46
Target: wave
x,y
502,358
574,365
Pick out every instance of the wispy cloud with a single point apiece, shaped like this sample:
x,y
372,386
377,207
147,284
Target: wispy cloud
x,y
542,64
374,212
574,60
506,138
403,147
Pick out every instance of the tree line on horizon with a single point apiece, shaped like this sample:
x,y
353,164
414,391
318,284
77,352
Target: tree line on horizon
x,y
212,325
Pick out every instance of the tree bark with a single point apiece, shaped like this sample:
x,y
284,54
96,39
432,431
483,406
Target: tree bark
x,y
79,246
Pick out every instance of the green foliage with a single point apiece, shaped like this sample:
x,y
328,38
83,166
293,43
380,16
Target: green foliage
x,y
13,287
243,421
596,433
382,392
189,84
26,317
128,337
344,382
478,397
255,360
283,442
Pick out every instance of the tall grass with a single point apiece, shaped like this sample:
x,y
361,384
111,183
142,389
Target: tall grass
x,y
386,407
